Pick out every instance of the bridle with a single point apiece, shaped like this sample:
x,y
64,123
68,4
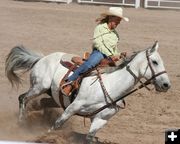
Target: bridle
x,y
153,77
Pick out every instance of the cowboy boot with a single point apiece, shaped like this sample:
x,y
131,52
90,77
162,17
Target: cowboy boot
x,y
66,88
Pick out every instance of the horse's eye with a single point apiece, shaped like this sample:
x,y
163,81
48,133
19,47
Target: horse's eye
x,y
154,62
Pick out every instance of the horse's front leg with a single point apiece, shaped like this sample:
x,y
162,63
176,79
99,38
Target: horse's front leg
x,y
69,111
97,123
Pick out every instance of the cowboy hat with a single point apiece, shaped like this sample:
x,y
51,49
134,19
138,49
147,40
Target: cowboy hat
x,y
115,11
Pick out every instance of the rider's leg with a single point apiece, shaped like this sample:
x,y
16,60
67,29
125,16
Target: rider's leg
x,y
94,59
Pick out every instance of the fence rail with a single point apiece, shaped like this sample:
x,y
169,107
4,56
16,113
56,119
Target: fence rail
x,y
168,4
63,1
132,3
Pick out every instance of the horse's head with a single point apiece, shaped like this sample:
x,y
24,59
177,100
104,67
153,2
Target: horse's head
x,y
153,69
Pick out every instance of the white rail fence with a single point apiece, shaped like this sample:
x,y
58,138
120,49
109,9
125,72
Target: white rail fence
x,y
168,4
132,3
171,4
63,1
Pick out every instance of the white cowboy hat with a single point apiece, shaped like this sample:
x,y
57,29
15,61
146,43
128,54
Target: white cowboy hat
x,y
115,11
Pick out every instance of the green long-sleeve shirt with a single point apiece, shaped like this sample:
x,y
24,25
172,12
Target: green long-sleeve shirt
x,y
105,40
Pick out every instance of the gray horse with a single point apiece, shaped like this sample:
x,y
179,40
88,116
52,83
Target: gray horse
x,y
46,73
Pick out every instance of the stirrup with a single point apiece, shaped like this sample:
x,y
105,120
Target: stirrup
x,y
69,90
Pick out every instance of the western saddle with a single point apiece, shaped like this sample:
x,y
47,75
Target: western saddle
x,y
71,88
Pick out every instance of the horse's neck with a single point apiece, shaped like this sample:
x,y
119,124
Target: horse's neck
x,y
122,79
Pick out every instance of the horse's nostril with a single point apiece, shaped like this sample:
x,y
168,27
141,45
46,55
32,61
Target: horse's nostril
x,y
166,85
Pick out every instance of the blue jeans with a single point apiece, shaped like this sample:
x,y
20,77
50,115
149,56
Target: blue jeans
x,y
94,59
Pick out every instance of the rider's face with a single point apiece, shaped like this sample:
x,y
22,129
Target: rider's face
x,y
113,22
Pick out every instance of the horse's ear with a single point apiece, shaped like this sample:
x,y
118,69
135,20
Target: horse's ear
x,y
155,47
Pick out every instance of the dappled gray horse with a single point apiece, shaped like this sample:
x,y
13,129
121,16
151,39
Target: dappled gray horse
x,y
46,73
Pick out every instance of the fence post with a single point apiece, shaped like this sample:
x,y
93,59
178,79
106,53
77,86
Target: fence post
x,y
137,3
159,3
69,1
145,3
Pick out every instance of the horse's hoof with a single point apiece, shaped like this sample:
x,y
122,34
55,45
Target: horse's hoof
x,y
51,129
22,115
21,119
91,140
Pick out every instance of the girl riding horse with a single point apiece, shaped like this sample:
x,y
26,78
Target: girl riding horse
x,y
104,44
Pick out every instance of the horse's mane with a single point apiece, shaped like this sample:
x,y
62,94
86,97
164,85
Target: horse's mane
x,y
122,64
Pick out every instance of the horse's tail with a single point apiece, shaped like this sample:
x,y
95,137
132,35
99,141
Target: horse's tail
x,y
19,60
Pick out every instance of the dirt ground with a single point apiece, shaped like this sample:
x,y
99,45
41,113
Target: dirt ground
x,y
52,27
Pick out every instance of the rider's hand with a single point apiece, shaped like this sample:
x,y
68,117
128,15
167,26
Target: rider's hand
x,y
115,57
123,54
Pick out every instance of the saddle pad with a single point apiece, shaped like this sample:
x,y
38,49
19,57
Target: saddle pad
x,y
68,57
66,61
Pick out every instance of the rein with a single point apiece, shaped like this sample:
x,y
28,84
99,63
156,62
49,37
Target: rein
x,y
113,103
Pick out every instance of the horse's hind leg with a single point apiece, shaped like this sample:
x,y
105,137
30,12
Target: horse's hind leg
x,y
25,98
21,106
